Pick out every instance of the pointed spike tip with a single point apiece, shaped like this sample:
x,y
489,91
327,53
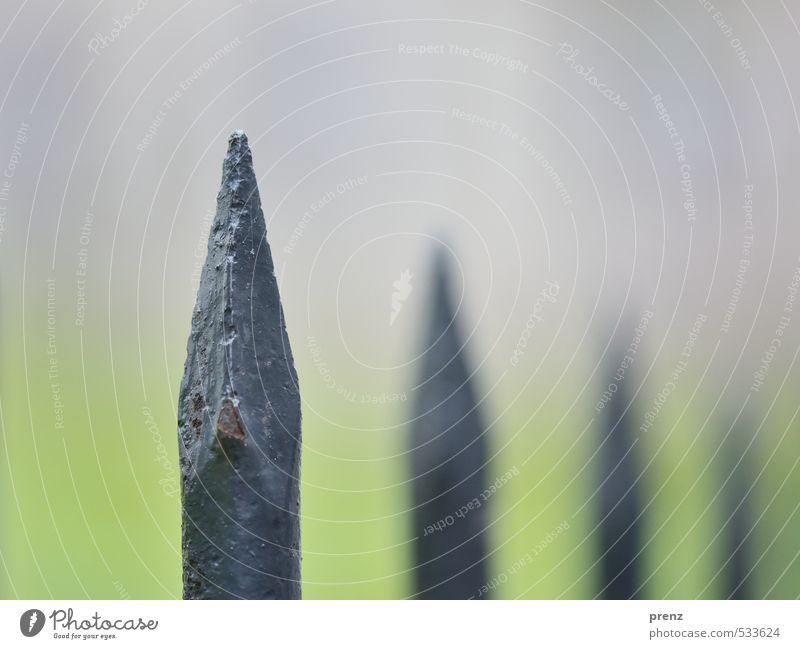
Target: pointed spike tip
x,y
441,265
237,143
238,134
446,280
238,176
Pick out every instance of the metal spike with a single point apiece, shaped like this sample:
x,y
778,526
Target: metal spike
x,y
448,458
738,527
239,411
620,502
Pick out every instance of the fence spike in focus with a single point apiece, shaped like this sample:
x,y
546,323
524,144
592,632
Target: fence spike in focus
x,y
239,411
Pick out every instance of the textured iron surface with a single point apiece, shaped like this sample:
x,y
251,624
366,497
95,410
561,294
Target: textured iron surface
x,y
239,411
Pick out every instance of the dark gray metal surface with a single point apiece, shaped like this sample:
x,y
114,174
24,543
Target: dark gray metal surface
x,y
738,524
620,500
239,411
448,458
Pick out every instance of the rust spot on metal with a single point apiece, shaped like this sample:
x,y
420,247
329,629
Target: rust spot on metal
x,y
229,423
198,402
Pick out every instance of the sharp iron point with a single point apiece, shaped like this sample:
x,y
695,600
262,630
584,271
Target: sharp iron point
x,y
239,411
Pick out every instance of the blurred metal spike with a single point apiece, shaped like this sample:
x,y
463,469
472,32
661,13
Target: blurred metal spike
x,y
239,411
738,527
620,501
448,459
